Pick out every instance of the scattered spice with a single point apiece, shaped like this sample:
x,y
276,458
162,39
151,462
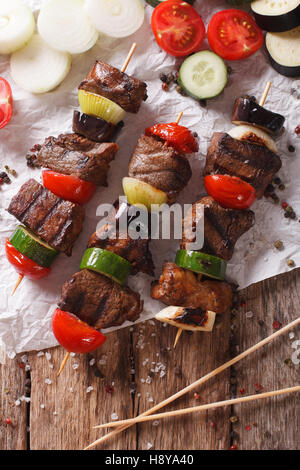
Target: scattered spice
x,y
8,421
243,303
165,86
258,387
277,180
203,103
276,325
233,447
290,263
288,362
212,424
197,396
4,178
284,205
180,90
297,130
281,187
242,391
291,148
109,389
233,419
278,244
247,428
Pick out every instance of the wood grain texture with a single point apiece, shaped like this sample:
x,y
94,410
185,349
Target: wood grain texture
x,y
125,362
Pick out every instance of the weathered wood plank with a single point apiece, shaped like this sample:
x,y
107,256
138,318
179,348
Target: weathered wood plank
x,y
275,423
12,387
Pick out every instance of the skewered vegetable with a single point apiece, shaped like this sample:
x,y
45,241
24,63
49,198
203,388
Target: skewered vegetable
x,y
100,107
178,137
138,192
276,16
16,25
201,263
230,192
283,50
38,68
254,135
33,247
108,263
187,318
95,128
68,187
24,265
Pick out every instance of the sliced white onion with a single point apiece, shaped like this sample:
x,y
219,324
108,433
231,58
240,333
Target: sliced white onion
x,y
65,26
116,18
17,25
241,133
38,68
169,315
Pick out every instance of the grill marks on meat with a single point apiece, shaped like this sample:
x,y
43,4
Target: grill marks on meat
x,y
222,227
251,162
54,220
111,238
99,301
108,81
180,287
72,154
159,165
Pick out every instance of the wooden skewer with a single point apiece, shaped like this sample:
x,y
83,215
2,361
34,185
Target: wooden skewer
x,y
179,333
124,67
63,364
200,381
20,279
179,117
265,94
194,409
128,58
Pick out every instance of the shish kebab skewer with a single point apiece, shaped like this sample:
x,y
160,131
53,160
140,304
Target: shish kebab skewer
x,y
70,291
176,315
80,162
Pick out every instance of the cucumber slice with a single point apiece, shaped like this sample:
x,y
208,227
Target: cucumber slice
x,y
187,318
107,263
140,193
203,75
101,107
209,265
33,247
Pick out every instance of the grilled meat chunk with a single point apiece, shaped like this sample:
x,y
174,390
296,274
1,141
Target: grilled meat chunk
x,y
251,162
160,166
72,154
222,227
94,128
105,80
113,238
54,220
180,287
98,300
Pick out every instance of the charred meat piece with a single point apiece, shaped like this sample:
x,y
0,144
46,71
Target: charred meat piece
x,y
247,111
251,162
159,165
94,128
113,238
182,288
54,220
98,300
72,154
222,227
105,80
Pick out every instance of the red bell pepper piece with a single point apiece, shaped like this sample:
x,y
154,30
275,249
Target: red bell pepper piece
x,y
68,187
75,335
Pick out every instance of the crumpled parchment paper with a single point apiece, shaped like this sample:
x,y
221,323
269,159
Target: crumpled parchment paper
x,y
25,318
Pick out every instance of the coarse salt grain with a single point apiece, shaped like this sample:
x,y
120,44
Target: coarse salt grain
x,y
148,380
48,381
48,356
18,402
42,406
92,362
155,423
149,445
249,314
291,335
71,389
40,354
114,416
89,389
75,366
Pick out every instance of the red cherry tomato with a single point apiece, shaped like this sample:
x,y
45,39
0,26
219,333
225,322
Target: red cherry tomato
x,y
24,265
75,335
230,191
177,27
6,102
178,137
68,187
234,35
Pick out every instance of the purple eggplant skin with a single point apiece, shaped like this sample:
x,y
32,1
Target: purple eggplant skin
x,y
285,70
247,111
95,128
279,23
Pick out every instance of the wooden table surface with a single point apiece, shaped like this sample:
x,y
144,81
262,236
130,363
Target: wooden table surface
x,y
138,367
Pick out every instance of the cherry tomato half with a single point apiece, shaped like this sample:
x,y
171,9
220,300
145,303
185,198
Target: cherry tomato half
x,y
24,265
230,191
6,102
68,187
177,27
75,335
234,35
178,137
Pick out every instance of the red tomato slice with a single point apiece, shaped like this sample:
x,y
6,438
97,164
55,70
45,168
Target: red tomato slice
x,y
24,265
230,191
178,137
234,35
6,102
177,27
75,335
68,187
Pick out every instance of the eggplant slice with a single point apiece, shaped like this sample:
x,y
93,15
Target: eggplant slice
x,y
276,16
284,52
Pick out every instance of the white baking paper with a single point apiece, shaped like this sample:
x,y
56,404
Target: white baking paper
x,y
25,318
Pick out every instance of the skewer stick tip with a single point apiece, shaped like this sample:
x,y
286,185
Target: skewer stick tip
x,y
179,117
20,279
63,364
179,333
265,94
128,58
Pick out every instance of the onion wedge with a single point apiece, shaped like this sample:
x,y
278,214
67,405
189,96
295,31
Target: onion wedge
x,y
38,68
187,319
116,18
65,26
16,25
